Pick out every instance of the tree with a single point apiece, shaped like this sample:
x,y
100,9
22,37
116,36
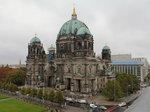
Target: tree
x,y
33,92
27,90
4,85
129,83
13,88
112,90
40,94
1,85
136,83
4,72
51,95
16,77
23,91
58,97
147,77
45,96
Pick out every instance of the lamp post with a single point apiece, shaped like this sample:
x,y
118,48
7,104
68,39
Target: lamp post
x,y
72,80
128,89
114,91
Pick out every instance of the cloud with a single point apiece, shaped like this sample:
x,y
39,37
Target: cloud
x,y
123,24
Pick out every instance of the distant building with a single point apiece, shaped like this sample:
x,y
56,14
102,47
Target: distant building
x,y
121,57
145,69
17,66
129,67
125,63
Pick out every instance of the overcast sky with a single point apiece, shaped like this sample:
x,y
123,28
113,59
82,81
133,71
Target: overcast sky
x,y
123,24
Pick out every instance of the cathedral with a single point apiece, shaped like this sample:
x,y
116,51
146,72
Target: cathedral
x,y
72,65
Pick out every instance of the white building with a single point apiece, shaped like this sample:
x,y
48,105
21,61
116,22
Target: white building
x,y
145,65
129,66
125,63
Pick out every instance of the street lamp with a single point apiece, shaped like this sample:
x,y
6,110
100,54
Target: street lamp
x,y
114,90
128,89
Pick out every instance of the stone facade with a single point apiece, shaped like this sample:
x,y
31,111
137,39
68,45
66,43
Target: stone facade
x,y
35,63
73,66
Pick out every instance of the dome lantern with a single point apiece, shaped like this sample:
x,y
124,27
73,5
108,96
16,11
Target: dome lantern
x,y
74,15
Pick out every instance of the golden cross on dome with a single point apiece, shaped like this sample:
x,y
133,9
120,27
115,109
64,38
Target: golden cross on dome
x,y
74,10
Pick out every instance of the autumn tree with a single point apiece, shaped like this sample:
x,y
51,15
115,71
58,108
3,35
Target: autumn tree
x,y
4,72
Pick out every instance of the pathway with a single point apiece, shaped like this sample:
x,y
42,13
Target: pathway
x,y
3,99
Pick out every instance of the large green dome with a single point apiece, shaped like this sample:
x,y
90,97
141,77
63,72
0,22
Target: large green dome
x,y
35,40
73,27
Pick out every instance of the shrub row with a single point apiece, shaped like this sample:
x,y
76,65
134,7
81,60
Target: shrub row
x,y
9,87
51,95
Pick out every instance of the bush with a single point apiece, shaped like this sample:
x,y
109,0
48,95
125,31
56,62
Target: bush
x,y
13,88
51,95
28,90
9,87
23,91
45,96
40,94
58,97
33,92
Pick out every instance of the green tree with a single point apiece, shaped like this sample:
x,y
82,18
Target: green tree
x,y
129,83
4,85
112,90
7,86
135,83
13,88
23,91
1,85
45,96
28,90
58,98
40,94
51,95
16,77
33,92
147,77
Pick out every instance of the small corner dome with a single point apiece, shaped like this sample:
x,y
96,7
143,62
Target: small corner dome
x,y
51,48
106,47
35,40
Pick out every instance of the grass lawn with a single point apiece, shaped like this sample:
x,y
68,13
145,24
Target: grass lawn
x,y
13,105
3,96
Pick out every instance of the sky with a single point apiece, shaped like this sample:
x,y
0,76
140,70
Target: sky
x,y
124,25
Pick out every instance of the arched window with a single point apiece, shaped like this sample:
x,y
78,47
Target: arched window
x,y
69,70
79,70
